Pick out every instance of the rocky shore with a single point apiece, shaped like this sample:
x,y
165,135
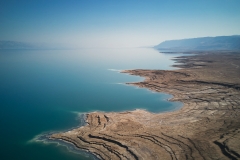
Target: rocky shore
x,y
206,127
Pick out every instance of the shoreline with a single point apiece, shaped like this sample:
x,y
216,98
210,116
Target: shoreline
x,y
46,138
206,127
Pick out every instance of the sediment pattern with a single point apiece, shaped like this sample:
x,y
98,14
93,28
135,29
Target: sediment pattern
x,y
206,127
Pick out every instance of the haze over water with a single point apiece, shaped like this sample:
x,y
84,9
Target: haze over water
x,y
43,90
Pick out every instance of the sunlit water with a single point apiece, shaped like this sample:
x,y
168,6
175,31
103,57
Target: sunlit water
x,y
43,91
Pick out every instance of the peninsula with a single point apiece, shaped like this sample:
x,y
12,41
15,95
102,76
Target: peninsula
x,y
206,127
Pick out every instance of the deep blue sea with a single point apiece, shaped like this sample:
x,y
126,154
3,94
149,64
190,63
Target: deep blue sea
x,y
44,91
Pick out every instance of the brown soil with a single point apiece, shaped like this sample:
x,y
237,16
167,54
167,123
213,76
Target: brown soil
x,y
206,127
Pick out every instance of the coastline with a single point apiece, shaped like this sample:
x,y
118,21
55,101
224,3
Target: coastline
x,y
46,139
206,127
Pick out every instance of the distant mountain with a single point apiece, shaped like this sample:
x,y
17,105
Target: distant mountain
x,y
15,45
203,43
25,45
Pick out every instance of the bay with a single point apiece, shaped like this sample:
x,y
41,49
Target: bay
x,y
44,91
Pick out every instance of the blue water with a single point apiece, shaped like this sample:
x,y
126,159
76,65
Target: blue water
x,y
42,91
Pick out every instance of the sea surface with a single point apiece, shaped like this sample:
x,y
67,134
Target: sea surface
x,y
44,91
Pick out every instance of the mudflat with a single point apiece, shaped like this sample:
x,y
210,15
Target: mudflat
x,y
206,127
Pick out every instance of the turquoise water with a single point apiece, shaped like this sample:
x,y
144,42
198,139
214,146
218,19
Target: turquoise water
x,y
43,91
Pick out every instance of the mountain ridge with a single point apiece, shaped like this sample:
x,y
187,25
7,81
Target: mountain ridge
x,y
8,45
202,43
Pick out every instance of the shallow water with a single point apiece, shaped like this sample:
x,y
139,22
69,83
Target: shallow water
x,y
43,91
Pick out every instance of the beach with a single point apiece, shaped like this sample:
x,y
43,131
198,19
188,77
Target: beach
x,y
206,127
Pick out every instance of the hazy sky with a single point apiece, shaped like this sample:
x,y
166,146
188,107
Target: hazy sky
x,y
116,23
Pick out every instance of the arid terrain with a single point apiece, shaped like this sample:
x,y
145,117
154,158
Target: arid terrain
x,y
206,127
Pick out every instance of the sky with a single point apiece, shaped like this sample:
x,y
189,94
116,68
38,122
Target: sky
x,y
116,23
